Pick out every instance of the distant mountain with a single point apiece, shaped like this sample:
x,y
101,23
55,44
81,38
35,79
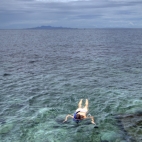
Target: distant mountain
x,y
50,27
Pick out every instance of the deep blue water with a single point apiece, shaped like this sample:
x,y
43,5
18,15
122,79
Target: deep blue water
x,y
44,74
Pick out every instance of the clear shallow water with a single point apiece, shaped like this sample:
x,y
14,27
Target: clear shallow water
x,y
43,75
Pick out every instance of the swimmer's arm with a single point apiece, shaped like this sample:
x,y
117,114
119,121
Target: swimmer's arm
x,y
92,119
67,117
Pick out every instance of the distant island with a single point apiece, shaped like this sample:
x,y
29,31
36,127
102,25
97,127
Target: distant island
x,y
50,27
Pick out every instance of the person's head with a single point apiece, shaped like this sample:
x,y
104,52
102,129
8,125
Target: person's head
x,y
78,116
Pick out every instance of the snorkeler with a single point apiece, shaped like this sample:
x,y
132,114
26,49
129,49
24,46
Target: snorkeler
x,y
81,113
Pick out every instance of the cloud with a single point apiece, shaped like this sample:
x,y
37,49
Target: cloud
x,y
60,0
26,13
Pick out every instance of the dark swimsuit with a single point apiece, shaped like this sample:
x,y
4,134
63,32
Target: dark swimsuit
x,y
74,117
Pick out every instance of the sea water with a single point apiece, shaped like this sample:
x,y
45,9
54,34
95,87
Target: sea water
x,y
44,74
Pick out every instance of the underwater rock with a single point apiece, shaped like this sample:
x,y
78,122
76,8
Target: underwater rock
x,y
32,61
6,74
108,136
131,125
6,128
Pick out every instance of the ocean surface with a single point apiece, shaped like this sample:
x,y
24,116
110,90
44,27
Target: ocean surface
x,y
44,74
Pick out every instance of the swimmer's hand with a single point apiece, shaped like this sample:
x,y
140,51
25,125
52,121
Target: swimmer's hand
x,y
93,122
92,119
67,117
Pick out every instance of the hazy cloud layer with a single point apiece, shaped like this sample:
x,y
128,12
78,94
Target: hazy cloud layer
x,y
71,13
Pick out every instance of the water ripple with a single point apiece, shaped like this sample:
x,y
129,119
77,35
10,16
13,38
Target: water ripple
x,y
44,74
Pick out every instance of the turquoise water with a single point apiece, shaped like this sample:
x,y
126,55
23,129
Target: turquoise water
x,y
44,74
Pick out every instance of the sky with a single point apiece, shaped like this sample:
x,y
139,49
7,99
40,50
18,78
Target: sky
x,y
17,14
